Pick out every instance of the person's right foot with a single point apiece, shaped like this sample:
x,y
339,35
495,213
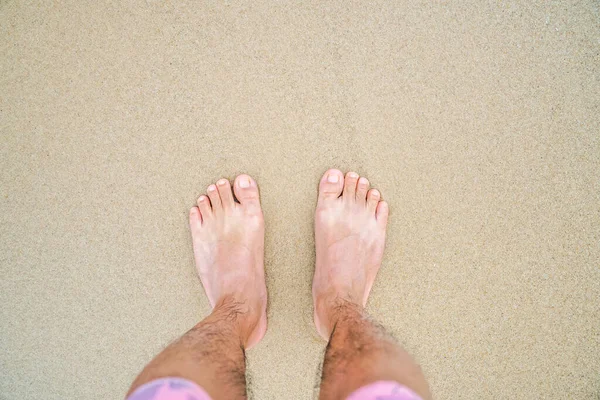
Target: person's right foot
x,y
350,224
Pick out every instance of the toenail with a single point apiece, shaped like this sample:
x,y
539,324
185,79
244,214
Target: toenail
x,y
333,178
201,198
352,175
211,188
222,182
363,181
375,193
244,183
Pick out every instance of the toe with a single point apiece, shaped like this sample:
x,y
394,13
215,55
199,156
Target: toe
x,y
331,185
382,212
215,199
224,188
373,199
361,190
204,207
195,218
246,191
350,185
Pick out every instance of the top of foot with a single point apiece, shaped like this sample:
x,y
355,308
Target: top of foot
x,y
350,225
228,241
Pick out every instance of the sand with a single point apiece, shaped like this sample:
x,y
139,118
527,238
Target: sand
x,y
478,121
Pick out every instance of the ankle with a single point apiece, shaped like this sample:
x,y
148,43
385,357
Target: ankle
x,y
240,317
331,310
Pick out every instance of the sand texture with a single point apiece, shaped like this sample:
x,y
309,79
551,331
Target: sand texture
x,y
478,120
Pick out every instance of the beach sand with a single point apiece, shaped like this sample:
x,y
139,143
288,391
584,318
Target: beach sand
x,y
478,121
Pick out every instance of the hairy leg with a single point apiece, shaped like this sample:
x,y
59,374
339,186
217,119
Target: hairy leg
x,y
350,227
211,354
360,352
228,241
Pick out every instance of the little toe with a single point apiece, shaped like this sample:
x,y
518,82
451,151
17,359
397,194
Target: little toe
x,y
246,191
361,190
382,212
224,188
350,185
195,218
215,199
204,207
373,197
331,185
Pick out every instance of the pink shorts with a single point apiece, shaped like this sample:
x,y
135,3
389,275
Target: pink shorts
x,y
182,389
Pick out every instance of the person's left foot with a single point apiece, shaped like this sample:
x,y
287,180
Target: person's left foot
x,y
228,240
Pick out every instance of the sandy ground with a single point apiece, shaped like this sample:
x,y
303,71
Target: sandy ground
x,y
479,122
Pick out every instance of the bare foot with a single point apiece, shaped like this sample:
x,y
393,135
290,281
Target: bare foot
x,y
228,239
350,223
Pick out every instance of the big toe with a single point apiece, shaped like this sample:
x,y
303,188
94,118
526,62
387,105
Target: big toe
x,y
331,185
246,191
